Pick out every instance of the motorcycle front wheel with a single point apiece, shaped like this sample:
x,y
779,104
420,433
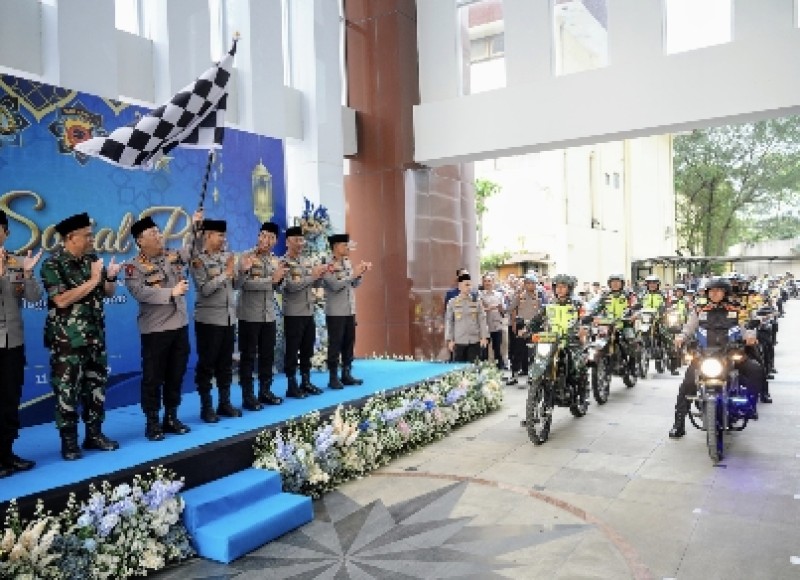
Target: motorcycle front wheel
x,y
601,381
644,363
539,411
581,399
629,372
714,429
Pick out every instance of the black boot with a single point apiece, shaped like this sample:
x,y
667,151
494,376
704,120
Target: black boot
x,y
679,428
348,379
224,406
69,443
11,462
265,394
333,380
293,390
249,400
96,440
207,412
306,386
765,398
152,429
172,424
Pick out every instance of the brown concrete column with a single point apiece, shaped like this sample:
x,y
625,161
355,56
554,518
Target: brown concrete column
x,y
416,225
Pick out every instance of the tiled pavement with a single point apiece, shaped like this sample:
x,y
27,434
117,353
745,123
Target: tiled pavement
x,y
609,496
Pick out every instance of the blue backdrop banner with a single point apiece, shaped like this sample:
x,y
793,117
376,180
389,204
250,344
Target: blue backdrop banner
x,y
43,180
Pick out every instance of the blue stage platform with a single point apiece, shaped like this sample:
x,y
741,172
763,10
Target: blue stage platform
x,y
126,424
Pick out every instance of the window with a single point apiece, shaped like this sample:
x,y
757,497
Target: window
x,y
580,35
483,45
128,16
689,24
220,35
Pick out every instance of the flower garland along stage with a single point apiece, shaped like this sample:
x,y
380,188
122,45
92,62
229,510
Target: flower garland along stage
x,y
315,456
118,532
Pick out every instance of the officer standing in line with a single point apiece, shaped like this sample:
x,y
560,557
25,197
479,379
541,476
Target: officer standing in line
x,y
155,278
298,312
494,305
214,320
260,274
339,282
465,328
16,282
75,332
526,306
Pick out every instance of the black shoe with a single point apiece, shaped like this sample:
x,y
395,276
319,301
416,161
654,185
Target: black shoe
x,y
225,409
96,440
152,429
307,387
172,424
679,428
69,445
674,373
249,401
208,415
17,463
5,471
348,379
333,380
770,376
293,391
765,398
267,397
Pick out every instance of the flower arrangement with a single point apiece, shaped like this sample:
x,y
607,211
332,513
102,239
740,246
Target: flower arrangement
x,y
314,456
118,532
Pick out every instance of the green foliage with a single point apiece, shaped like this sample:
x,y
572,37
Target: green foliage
x,y
729,181
492,262
484,189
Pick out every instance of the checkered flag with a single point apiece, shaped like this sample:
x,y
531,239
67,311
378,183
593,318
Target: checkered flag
x,y
193,118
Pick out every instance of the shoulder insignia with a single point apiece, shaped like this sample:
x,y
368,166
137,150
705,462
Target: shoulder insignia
x,y
197,262
129,270
12,261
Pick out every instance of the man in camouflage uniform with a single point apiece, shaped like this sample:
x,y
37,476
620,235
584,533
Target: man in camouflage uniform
x,y
260,274
214,320
76,281
298,311
16,282
340,282
155,278
465,328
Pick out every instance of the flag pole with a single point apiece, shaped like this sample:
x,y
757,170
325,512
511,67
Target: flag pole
x,y
204,187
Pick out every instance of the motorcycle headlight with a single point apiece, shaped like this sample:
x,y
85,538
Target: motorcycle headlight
x,y
646,318
544,348
711,368
672,320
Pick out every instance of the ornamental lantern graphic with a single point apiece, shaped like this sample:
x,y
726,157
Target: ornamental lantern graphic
x,y
262,193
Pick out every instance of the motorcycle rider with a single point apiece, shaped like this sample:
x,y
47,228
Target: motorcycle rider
x,y
616,303
716,318
562,316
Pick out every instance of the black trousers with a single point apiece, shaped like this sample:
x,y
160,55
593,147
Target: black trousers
x,y
751,375
164,359
467,352
12,363
256,339
495,341
300,333
214,356
341,339
518,353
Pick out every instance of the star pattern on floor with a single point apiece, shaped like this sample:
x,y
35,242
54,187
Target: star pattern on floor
x,y
416,538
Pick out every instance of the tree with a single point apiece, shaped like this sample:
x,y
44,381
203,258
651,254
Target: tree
x,y
484,189
728,178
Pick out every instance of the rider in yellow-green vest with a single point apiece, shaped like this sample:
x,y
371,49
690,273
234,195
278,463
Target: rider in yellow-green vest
x,y
653,298
616,304
680,302
563,318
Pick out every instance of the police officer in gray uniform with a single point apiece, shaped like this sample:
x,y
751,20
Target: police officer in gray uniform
x,y
16,282
260,274
298,314
465,328
526,308
155,278
340,282
214,319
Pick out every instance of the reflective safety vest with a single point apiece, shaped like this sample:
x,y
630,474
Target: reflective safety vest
x,y
653,300
615,304
561,316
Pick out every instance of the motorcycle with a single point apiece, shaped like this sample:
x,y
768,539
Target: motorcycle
x,y
649,327
722,404
555,380
605,357
673,322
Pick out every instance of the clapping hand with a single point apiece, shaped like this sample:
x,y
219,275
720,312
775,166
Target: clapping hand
x,y
30,260
113,268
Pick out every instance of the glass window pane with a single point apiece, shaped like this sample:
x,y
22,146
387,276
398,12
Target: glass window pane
x,y
692,24
481,26
126,16
580,35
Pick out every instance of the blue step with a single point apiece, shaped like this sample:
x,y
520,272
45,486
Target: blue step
x,y
217,498
232,516
240,532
